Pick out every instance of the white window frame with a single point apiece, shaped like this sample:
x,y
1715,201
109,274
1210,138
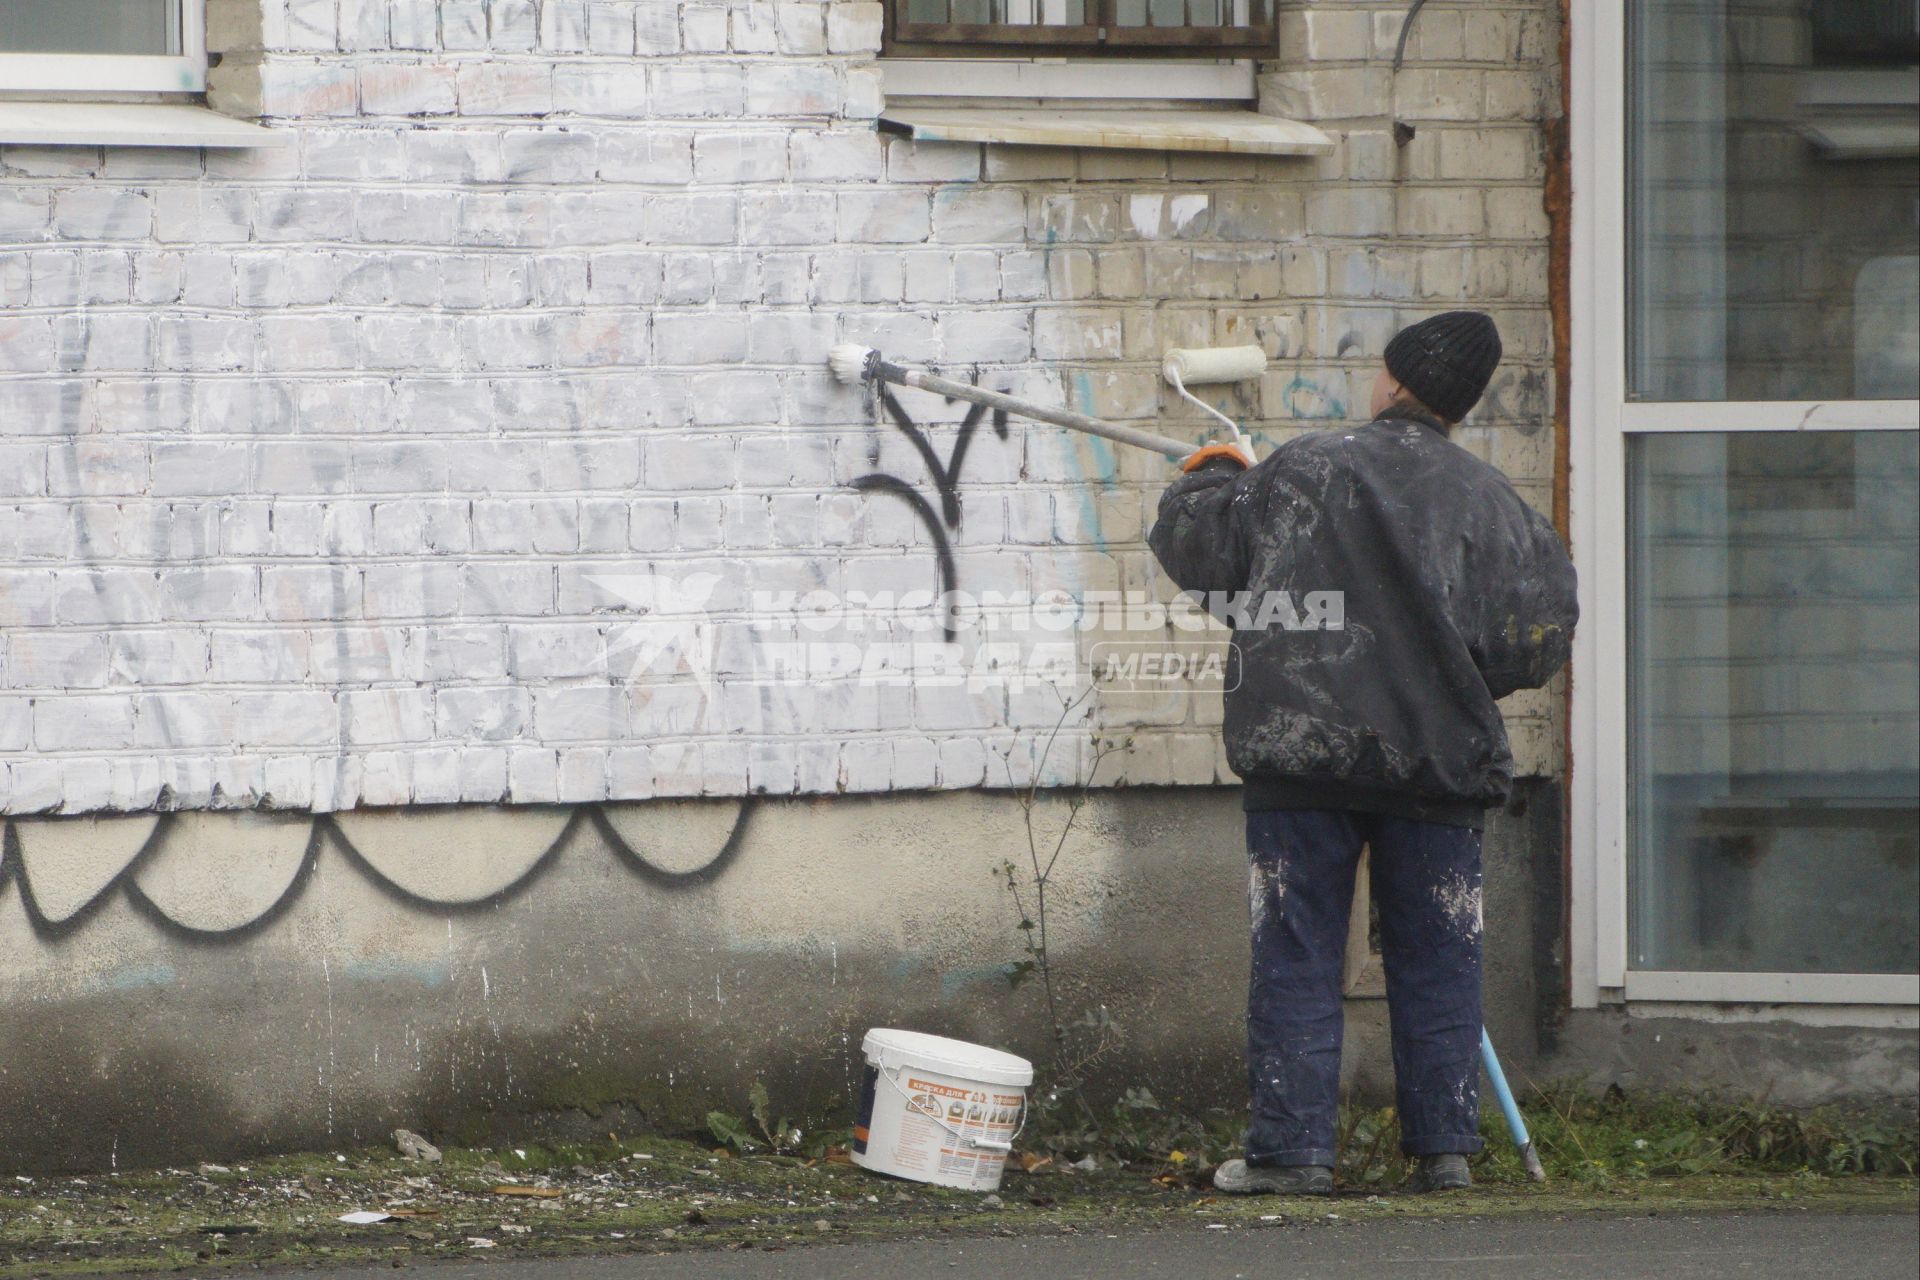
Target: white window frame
x,y
1602,419
68,74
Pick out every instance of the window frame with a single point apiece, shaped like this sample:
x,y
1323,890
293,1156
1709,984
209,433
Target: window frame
x,y
64,74
1079,78
1101,37
1603,417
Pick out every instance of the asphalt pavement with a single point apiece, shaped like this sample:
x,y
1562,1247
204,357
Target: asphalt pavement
x,y
1751,1246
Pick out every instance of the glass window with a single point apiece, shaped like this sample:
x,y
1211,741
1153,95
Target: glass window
x,y
1773,574
1774,686
1773,162
142,27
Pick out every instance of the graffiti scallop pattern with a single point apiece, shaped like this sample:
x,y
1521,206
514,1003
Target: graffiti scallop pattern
x,y
226,876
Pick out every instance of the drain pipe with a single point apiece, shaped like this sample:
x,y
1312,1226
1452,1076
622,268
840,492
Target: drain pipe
x,y
1402,131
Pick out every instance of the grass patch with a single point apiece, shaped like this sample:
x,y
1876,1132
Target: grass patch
x,y
1582,1136
1622,1134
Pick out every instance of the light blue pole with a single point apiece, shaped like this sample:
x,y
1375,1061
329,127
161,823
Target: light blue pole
x,y
1511,1109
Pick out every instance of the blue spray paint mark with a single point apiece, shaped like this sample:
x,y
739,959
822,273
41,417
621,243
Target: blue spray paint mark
x,y
906,967
137,976
955,981
951,190
1106,466
428,973
1305,398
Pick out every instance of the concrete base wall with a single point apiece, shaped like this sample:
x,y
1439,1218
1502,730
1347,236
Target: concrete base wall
x,y
213,984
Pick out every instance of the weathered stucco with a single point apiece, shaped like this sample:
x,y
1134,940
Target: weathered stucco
x,y
228,983
540,965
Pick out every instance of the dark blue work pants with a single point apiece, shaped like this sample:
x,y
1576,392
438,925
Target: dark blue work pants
x,y
1426,883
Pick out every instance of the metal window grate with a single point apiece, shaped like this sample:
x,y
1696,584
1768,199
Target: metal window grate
x,y
1138,26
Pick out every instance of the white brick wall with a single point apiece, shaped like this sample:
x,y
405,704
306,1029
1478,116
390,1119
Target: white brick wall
x,y
321,468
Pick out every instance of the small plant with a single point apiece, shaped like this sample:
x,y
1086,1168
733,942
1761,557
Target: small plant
x,y
777,1136
1073,1049
1367,1146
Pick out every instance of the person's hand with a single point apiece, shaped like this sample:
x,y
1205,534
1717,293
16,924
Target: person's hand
x,y
1201,457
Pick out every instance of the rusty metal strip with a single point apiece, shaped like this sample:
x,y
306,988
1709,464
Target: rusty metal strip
x,y
1557,198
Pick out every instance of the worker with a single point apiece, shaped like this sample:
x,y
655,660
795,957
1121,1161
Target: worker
x,y
1370,721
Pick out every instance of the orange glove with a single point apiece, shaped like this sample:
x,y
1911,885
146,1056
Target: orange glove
x,y
1201,457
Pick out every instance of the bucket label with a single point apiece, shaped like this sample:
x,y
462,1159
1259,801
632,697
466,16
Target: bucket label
x,y
944,1118
926,1125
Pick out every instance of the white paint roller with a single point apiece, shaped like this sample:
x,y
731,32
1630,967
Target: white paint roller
x,y
1213,364
1183,365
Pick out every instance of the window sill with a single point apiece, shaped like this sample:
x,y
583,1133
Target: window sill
x,y
129,124
1851,137
1238,132
1773,988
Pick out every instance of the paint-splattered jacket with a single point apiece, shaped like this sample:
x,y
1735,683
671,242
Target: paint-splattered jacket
x,y
1451,593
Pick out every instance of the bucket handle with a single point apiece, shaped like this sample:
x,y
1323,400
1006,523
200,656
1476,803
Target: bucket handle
x,y
980,1144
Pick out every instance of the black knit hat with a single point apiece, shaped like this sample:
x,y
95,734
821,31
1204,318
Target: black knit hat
x,y
1446,360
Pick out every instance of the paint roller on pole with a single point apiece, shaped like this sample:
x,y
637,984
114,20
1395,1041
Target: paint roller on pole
x,y
854,365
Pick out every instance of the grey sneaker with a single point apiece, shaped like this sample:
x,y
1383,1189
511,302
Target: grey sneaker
x,y
1446,1172
1238,1178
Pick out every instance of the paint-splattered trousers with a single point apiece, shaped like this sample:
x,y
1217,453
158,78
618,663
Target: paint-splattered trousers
x,y
1426,883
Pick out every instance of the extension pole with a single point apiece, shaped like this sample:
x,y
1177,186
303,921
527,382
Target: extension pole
x,y
1511,1109
877,370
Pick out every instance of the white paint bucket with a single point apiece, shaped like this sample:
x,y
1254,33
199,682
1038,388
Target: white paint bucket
x,y
939,1110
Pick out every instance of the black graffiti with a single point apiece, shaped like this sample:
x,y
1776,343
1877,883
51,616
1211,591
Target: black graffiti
x,y
1518,398
941,524
324,833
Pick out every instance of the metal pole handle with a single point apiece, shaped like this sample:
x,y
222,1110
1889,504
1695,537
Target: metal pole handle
x,y
885,371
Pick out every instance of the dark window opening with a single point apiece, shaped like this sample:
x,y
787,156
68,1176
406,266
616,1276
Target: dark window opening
x,y
1866,33
1137,27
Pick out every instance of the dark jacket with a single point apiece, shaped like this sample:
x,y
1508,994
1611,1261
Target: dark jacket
x,y
1451,593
